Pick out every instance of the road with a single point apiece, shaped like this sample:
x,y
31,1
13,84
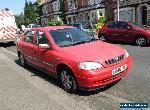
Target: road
x,y
30,89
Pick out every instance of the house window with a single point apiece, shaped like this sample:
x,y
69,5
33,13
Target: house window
x,y
45,9
74,19
56,5
69,20
72,4
126,15
94,2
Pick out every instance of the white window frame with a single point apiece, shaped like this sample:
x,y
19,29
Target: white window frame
x,y
56,5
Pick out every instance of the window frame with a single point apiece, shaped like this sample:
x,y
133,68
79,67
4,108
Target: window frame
x,y
38,31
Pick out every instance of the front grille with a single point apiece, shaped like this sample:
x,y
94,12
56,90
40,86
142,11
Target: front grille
x,y
114,60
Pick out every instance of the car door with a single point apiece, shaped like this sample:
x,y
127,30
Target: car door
x,y
111,31
47,58
27,45
124,31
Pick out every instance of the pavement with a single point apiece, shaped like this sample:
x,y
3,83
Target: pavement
x,y
29,89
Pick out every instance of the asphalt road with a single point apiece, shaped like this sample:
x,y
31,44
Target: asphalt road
x,y
36,90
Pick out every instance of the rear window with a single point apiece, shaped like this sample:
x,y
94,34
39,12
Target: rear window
x,y
112,25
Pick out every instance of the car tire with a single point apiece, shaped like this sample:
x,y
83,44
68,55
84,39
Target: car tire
x,y
22,60
67,80
141,41
102,37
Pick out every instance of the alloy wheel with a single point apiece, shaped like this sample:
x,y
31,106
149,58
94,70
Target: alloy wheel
x,y
141,41
22,60
67,81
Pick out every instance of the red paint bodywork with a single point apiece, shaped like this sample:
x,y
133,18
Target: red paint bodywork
x,y
125,35
71,56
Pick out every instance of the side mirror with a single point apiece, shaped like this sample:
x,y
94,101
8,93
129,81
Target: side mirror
x,y
44,46
129,27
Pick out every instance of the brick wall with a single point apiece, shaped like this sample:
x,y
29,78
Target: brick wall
x,y
109,7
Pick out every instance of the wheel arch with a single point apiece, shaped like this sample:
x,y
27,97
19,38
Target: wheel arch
x,y
62,65
140,35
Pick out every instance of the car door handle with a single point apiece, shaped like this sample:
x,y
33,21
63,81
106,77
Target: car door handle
x,y
34,51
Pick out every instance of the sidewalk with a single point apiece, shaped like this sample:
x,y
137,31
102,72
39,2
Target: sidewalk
x,y
20,91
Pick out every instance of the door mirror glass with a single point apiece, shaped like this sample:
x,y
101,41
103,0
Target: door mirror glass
x,y
44,46
129,27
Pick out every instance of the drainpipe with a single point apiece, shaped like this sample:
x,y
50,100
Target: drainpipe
x,y
118,11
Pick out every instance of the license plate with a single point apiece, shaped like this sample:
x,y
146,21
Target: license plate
x,y
119,70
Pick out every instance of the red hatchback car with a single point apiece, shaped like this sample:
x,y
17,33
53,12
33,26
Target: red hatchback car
x,y
75,58
124,31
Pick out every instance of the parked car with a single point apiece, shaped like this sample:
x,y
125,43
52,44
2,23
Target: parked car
x,y
30,26
84,28
125,32
75,58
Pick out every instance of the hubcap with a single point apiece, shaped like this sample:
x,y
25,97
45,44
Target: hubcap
x,y
66,80
141,41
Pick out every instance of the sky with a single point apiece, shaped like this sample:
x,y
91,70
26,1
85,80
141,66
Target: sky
x,y
16,6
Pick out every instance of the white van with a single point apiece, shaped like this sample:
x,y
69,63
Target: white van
x,y
8,28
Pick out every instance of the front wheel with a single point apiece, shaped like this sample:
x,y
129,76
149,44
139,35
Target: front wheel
x,y
22,60
141,41
67,80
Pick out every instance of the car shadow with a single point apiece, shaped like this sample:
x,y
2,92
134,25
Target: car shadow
x,y
96,91
126,43
5,45
55,81
38,73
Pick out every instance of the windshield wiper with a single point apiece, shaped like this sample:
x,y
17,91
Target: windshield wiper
x,y
80,42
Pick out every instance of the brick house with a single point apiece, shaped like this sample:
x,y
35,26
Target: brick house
x,y
135,11
50,9
88,11
78,11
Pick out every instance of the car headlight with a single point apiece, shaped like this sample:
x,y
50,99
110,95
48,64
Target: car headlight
x,y
89,65
126,53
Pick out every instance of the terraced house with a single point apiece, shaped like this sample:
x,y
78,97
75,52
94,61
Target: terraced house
x,y
51,9
78,11
135,11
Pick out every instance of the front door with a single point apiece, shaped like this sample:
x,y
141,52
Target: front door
x,y
46,56
111,31
27,46
124,31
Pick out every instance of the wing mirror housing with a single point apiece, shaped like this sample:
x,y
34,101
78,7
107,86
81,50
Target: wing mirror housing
x,y
44,46
129,27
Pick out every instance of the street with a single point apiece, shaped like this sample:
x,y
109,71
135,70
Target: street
x,y
30,89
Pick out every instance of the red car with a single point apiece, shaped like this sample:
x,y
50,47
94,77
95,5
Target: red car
x,y
124,31
75,58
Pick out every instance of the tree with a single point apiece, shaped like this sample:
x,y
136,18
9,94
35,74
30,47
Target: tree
x,y
30,12
19,19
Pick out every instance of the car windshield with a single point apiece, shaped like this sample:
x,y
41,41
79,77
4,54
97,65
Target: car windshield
x,y
70,36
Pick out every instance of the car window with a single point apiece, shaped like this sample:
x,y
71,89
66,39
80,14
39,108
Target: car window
x,y
41,38
122,25
69,36
112,25
29,37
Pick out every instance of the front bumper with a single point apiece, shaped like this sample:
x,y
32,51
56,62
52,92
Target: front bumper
x,y
102,77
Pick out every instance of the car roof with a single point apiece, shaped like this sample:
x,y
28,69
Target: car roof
x,y
119,21
48,28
